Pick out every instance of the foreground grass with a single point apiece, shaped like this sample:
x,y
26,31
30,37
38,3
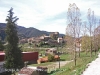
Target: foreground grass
x,y
71,69
65,57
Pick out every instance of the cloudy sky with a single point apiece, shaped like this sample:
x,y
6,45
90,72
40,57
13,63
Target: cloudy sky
x,y
49,15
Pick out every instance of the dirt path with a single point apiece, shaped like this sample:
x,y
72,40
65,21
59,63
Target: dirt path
x,y
56,64
93,68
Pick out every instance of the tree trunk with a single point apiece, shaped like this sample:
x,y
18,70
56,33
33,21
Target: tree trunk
x,y
91,49
75,55
95,51
86,51
79,49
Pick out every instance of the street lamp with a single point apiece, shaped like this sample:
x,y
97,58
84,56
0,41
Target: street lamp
x,y
57,49
59,61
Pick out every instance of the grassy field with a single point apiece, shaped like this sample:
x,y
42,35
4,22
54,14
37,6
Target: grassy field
x,y
64,57
71,69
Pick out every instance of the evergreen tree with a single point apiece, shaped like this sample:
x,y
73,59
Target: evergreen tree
x,y
1,46
13,55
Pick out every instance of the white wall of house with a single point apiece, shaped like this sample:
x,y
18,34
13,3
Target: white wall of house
x,y
59,40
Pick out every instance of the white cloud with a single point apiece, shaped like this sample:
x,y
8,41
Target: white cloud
x,y
34,13
56,26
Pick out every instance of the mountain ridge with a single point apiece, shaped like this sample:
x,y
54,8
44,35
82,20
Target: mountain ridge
x,y
26,32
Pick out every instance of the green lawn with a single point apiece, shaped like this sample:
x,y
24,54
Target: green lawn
x,y
64,57
70,69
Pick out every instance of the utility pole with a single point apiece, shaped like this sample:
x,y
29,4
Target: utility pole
x,y
58,55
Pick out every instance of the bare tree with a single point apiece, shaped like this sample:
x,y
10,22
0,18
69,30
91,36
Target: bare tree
x,y
69,37
84,30
73,19
97,36
91,21
85,38
94,32
78,32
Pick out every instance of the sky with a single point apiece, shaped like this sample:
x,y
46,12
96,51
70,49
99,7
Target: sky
x,y
48,15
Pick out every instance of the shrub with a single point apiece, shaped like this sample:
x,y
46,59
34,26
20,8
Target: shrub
x,y
50,57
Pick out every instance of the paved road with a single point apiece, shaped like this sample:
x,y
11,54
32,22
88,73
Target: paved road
x,y
93,68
